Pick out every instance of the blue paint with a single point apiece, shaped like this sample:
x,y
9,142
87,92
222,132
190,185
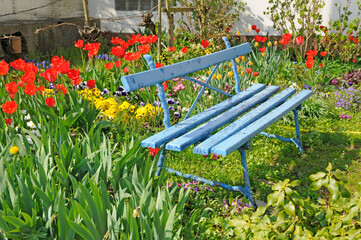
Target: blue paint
x,y
238,139
206,129
205,147
234,67
201,92
176,130
207,85
151,77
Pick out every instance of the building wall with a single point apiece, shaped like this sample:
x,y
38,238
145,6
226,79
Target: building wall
x,y
253,15
30,15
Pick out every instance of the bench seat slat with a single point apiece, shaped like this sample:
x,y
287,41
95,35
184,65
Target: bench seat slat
x,y
205,147
240,138
178,129
159,75
212,125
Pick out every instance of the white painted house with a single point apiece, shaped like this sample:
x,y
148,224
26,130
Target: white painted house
x,y
123,9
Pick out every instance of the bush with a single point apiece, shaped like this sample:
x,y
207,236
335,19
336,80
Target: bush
x,y
335,216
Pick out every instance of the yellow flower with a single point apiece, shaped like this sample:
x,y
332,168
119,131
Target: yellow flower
x,y
269,44
250,63
243,58
242,73
256,44
238,33
230,74
263,54
219,76
275,43
14,150
207,51
247,30
230,64
237,60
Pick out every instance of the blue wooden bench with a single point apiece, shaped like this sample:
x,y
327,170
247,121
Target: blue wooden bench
x,y
247,113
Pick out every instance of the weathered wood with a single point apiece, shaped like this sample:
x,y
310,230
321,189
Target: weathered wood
x,y
159,75
170,17
238,139
209,127
178,129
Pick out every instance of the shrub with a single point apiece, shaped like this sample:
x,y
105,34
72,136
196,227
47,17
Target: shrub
x,y
335,216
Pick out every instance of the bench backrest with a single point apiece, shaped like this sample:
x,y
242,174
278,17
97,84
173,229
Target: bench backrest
x,y
159,75
156,76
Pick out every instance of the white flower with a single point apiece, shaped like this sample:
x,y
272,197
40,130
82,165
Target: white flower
x,y
31,124
27,117
185,109
136,212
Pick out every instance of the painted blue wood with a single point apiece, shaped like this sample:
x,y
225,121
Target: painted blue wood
x,y
209,127
159,75
240,138
205,147
234,67
161,95
176,130
201,92
207,85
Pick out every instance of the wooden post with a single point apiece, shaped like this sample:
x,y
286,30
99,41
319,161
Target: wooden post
x,y
86,12
203,18
170,35
159,29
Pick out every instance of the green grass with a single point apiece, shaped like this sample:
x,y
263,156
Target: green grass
x,y
269,160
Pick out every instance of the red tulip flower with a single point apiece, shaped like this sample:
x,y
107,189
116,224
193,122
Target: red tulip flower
x,y
171,49
205,43
30,89
300,40
153,151
254,27
109,65
159,65
4,68
118,64
79,43
9,107
184,49
323,53
91,83
50,102
257,38
8,121
262,49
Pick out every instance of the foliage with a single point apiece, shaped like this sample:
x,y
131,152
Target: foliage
x,y
210,18
334,216
299,17
335,41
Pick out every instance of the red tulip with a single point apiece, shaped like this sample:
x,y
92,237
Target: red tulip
x,y
50,102
300,40
30,89
109,65
171,49
91,83
79,43
9,107
184,49
323,53
254,27
4,68
262,49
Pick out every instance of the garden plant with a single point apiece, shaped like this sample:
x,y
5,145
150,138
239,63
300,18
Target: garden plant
x,y
71,165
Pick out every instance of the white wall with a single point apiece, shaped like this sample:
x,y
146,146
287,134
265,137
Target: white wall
x,y
44,9
252,15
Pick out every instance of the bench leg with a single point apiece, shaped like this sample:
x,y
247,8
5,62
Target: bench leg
x,y
247,188
160,162
298,135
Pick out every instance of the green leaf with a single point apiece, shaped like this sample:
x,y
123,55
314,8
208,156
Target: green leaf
x,y
17,222
290,208
81,230
329,167
317,185
317,176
